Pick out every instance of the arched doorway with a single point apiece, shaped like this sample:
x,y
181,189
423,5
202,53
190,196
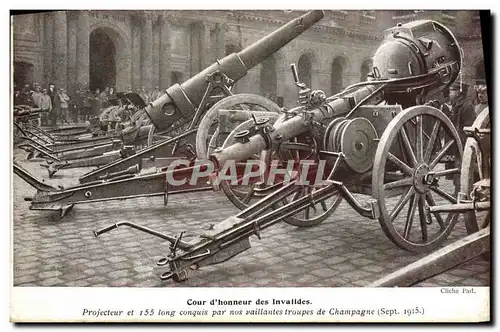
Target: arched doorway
x,y
480,73
102,60
337,75
304,67
268,79
23,74
366,68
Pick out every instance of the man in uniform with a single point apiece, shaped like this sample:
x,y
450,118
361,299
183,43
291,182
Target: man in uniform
x,y
461,113
52,92
461,110
481,98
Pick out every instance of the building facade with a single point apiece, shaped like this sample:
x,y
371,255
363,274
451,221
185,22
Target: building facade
x,y
135,49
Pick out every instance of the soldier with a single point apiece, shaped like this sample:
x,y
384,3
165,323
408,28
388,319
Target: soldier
x,y
461,113
112,94
88,101
52,92
144,95
155,94
461,110
481,98
46,105
18,98
27,93
63,103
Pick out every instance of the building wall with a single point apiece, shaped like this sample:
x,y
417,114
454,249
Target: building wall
x,y
150,45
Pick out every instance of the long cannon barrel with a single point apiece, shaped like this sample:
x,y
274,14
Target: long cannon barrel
x,y
181,100
20,112
289,128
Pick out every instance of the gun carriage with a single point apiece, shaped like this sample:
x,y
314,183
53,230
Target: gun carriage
x,y
107,133
375,138
196,104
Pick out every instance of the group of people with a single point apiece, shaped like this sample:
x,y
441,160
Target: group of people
x,y
50,99
83,105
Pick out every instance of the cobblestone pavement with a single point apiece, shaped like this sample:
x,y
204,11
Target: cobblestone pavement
x,y
346,250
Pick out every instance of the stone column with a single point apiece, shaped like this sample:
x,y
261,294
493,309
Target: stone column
x,y
220,40
71,55
136,53
165,61
60,60
83,49
146,52
48,48
156,54
195,51
206,46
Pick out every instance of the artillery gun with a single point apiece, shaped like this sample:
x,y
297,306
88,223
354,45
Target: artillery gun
x,y
375,138
187,103
97,140
119,130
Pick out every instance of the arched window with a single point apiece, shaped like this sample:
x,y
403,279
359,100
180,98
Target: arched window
x,y
304,69
338,68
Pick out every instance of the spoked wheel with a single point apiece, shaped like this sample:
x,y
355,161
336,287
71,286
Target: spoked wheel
x,y
409,177
475,169
208,127
243,194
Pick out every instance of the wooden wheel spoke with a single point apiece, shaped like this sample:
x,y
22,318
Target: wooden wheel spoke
x,y
401,203
447,172
441,154
409,217
400,164
399,183
419,143
437,215
297,194
432,141
323,205
248,196
444,194
423,217
407,146
307,211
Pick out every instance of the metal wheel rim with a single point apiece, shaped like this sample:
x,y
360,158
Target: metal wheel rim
x,y
380,160
471,152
